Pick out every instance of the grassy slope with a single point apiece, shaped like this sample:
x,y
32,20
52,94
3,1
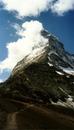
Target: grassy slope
x,y
24,99
28,116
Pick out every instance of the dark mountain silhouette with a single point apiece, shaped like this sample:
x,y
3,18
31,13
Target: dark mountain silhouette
x,y
39,94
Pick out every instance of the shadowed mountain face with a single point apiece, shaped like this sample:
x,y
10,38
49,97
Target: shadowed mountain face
x,y
41,85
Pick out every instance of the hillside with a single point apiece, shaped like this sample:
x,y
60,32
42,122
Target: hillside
x,y
39,94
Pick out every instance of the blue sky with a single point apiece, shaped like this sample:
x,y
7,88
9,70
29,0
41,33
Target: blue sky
x,y
59,22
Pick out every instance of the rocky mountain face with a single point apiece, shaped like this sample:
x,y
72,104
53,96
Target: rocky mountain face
x,y
46,76
53,53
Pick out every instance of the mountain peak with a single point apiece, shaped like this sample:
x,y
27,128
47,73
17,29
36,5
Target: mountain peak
x,y
53,52
46,75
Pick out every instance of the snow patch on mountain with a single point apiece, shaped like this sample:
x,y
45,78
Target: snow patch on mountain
x,y
68,70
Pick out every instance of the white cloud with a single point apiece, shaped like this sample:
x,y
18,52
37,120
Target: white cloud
x,y
35,7
1,80
30,37
62,6
27,7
